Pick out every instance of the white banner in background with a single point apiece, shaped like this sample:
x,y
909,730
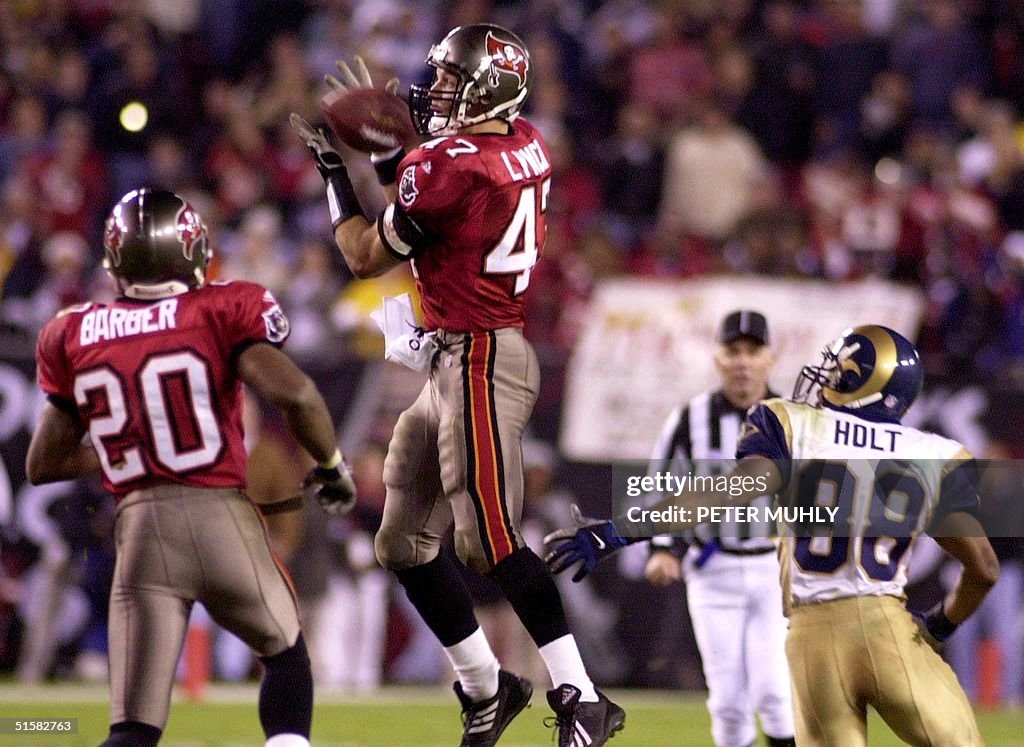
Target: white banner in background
x,y
647,347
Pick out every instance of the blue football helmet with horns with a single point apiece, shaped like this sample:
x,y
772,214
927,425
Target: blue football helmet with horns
x,y
871,370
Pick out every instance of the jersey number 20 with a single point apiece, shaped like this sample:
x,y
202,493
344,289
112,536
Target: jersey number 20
x,y
155,379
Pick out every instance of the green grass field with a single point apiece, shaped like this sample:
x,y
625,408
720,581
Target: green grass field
x,y
398,717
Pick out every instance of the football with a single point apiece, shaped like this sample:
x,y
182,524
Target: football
x,y
369,120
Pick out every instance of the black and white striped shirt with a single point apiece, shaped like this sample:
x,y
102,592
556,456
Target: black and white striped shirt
x,y
700,438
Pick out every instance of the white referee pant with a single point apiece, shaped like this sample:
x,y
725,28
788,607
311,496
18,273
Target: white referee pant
x,y
736,610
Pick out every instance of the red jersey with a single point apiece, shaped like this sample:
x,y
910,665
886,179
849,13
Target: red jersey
x,y
480,200
155,383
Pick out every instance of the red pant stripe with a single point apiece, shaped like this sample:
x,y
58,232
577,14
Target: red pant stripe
x,y
487,483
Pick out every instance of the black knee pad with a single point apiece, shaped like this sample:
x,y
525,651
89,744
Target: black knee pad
x,y
286,693
530,589
439,594
132,734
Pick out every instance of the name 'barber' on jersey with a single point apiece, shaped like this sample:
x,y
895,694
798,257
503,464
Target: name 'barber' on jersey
x,y
531,161
113,323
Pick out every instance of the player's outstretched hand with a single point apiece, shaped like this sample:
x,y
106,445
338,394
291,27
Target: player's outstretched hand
x,y
358,79
334,488
591,541
328,160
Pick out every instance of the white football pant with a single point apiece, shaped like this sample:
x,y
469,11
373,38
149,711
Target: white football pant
x,y
735,607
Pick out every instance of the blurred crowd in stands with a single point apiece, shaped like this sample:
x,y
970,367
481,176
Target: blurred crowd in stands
x,y
829,139
820,138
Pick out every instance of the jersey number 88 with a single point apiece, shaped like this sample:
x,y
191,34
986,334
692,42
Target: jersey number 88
x,y
894,497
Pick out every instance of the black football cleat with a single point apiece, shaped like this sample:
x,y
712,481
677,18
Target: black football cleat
x,y
484,721
583,724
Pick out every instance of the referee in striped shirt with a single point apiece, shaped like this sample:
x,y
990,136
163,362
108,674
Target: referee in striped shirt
x,y
731,569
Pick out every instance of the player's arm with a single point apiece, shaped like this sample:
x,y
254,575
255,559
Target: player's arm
x,y
56,451
373,248
957,530
356,236
592,540
273,375
961,536
762,469
753,476
364,252
763,466
359,239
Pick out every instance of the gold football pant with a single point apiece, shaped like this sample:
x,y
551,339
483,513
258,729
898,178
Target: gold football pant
x,y
850,653
177,545
456,454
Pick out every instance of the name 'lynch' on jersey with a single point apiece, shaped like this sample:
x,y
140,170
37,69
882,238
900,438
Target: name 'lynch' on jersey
x,y
480,201
154,381
889,483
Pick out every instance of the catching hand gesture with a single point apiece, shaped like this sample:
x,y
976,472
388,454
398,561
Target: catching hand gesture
x,y
358,79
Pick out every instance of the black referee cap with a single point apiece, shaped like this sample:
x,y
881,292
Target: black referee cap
x,y
744,323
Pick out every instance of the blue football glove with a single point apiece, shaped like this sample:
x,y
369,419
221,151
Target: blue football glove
x,y
590,542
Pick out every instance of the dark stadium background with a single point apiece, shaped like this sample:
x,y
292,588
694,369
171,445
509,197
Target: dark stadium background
x,y
884,139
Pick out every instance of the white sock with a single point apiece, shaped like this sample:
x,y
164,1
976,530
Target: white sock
x,y
565,666
287,740
475,665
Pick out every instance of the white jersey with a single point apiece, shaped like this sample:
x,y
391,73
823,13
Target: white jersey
x,y
886,483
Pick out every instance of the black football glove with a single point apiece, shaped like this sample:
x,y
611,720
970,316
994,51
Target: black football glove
x,y
589,543
327,158
334,488
341,196
934,628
